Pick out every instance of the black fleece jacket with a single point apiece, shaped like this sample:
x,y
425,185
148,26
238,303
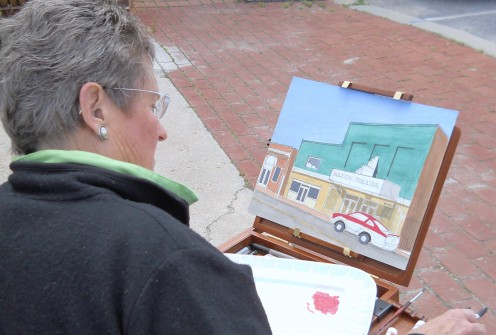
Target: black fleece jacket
x,y
84,250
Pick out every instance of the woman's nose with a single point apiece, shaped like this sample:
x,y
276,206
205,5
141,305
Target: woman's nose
x,y
162,133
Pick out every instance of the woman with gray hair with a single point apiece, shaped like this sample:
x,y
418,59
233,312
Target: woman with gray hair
x,y
91,240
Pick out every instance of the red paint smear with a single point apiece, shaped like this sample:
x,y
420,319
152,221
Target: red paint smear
x,y
325,303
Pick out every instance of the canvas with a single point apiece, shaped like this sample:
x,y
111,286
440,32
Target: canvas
x,y
353,169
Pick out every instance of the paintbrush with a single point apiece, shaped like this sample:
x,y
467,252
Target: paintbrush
x,y
396,314
481,313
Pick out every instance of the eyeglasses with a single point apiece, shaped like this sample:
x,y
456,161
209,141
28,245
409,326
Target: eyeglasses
x,y
162,103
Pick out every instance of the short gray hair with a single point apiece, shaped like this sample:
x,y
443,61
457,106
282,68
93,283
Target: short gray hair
x,y
49,50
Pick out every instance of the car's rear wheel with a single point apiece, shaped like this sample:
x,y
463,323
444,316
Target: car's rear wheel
x,y
364,238
339,226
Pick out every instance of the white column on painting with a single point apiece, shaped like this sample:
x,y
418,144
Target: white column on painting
x,y
279,188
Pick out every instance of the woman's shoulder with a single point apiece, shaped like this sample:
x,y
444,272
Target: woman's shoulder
x,y
142,225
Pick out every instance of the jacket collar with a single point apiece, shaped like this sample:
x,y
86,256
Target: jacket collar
x,y
92,159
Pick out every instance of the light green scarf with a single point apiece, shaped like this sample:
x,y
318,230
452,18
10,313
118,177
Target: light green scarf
x,y
88,158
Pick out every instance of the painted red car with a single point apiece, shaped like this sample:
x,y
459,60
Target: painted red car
x,y
367,228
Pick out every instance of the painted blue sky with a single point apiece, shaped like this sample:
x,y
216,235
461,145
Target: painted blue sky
x,y
321,112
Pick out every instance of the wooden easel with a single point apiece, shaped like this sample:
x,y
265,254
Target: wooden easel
x,y
391,94
302,246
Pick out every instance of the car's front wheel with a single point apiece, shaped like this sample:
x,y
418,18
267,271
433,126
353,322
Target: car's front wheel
x,y
364,238
339,226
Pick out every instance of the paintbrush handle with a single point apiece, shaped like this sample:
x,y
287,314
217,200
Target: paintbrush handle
x,y
392,318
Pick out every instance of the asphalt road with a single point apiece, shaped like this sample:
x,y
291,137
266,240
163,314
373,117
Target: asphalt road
x,y
472,22
477,17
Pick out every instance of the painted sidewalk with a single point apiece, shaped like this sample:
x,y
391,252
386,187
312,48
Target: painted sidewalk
x,y
233,63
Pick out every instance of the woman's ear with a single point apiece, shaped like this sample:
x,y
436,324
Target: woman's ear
x,y
91,101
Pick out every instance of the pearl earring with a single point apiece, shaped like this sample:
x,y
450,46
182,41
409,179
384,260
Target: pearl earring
x,y
103,133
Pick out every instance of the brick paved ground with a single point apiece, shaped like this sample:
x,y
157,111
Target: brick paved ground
x,y
237,59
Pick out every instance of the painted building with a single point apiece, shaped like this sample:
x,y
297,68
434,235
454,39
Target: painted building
x,y
376,170
276,167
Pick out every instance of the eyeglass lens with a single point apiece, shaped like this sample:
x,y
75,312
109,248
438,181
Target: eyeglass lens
x,y
162,106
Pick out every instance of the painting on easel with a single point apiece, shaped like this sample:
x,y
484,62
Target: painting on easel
x,y
354,169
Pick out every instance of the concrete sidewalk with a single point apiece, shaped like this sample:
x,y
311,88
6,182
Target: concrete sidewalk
x,y
190,155
233,63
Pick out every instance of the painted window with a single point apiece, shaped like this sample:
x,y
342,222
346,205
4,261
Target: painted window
x,y
313,193
295,186
269,163
386,211
333,199
369,207
303,193
349,204
276,174
313,163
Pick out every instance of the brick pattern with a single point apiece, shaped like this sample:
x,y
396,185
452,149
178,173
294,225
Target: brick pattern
x,y
139,4
243,56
